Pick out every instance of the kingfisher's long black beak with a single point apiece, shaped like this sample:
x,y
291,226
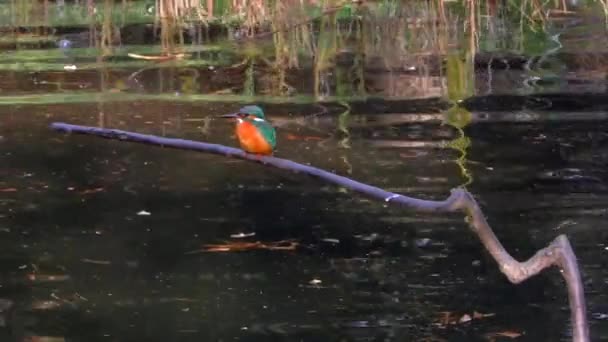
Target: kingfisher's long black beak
x,y
231,115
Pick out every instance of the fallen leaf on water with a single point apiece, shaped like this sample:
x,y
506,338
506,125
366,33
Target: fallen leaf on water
x,y
465,318
507,333
285,245
46,304
451,318
91,191
157,57
77,296
479,315
242,235
315,281
8,190
43,339
177,299
97,262
47,277
36,338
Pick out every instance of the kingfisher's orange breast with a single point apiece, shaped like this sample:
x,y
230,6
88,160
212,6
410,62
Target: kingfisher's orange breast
x,y
251,139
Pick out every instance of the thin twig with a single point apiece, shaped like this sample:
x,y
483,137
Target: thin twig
x,y
558,253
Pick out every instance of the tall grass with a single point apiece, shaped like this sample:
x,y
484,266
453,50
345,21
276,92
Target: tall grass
x,y
340,41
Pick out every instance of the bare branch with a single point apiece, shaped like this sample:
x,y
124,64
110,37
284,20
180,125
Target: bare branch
x,y
558,253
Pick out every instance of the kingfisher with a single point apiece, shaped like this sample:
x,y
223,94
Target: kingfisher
x,y
255,134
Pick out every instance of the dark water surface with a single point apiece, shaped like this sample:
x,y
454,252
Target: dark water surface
x,y
97,236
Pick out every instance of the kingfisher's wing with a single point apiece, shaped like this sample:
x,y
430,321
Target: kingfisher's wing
x,y
267,131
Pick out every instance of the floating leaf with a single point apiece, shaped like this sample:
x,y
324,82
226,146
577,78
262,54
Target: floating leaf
x,y
451,318
36,277
91,191
158,58
242,235
35,338
465,318
284,245
479,315
46,305
507,333
96,262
